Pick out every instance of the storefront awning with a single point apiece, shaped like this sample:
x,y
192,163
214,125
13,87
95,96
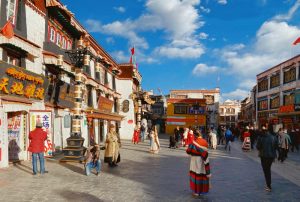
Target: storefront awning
x,y
23,46
288,114
106,116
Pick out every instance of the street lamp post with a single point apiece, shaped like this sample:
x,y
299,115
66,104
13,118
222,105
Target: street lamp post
x,y
80,58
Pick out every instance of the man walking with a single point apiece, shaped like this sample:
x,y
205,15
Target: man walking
x,y
37,139
228,137
266,146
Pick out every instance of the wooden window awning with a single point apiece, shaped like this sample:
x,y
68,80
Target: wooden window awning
x,y
104,115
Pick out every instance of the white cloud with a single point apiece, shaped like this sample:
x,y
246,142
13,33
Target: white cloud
x,y
120,56
271,46
118,28
179,19
110,40
290,14
204,10
120,9
237,94
223,2
202,69
247,83
203,35
176,52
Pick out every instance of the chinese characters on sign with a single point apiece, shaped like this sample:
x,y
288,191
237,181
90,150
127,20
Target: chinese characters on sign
x,y
22,83
45,117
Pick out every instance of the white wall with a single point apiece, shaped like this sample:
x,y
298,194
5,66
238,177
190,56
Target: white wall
x,y
36,34
125,88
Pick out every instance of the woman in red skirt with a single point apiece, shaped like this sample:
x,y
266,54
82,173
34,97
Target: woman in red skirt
x,y
136,135
199,165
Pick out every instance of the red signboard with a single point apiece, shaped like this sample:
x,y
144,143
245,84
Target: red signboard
x,y
287,120
286,109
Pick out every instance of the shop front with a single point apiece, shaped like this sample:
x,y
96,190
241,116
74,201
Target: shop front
x,y
21,92
100,119
289,116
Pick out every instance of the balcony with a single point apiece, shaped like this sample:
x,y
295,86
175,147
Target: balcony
x,y
53,48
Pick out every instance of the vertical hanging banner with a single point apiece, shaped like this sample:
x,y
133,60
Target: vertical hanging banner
x,y
45,117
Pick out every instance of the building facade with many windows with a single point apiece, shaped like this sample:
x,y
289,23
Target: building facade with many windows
x,y
228,113
38,79
278,94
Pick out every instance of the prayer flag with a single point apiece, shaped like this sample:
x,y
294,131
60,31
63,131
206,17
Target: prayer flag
x,y
297,41
8,30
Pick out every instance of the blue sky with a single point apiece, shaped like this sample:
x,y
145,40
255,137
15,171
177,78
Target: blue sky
x,y
189,44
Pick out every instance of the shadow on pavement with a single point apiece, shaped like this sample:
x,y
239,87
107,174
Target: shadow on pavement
x,y
77,168
23,168
78,196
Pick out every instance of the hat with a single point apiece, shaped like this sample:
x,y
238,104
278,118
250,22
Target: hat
x,y
39,125
247,127
111,126
264,128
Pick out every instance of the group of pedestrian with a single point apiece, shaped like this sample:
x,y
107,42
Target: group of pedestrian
x,y
38,136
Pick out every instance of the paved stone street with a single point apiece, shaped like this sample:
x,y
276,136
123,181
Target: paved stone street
x,y
141,176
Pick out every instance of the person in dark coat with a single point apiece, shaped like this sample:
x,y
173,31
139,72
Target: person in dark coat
x,y
37,139
267,145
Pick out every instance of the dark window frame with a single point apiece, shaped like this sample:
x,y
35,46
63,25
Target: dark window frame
x,y
180,109
285,80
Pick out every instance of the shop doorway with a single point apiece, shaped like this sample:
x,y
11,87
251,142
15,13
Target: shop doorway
x,y
101,131
15,128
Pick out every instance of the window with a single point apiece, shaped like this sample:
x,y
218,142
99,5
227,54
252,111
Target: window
x,y
64,43
58,39
227,118
102,76
275,81
106,77
52,34
69,46
157,111
290,75
262,104
232,111
232,118
13,59
97,76
90,96
263,85
227,110
288,99
222,118
180,109
116,105
11,9
275,102
114,82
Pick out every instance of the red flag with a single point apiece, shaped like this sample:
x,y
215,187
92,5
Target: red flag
x,y
8,30
132,51
297,41
130,61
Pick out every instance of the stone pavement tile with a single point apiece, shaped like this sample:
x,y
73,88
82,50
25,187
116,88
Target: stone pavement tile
x,y
142,176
